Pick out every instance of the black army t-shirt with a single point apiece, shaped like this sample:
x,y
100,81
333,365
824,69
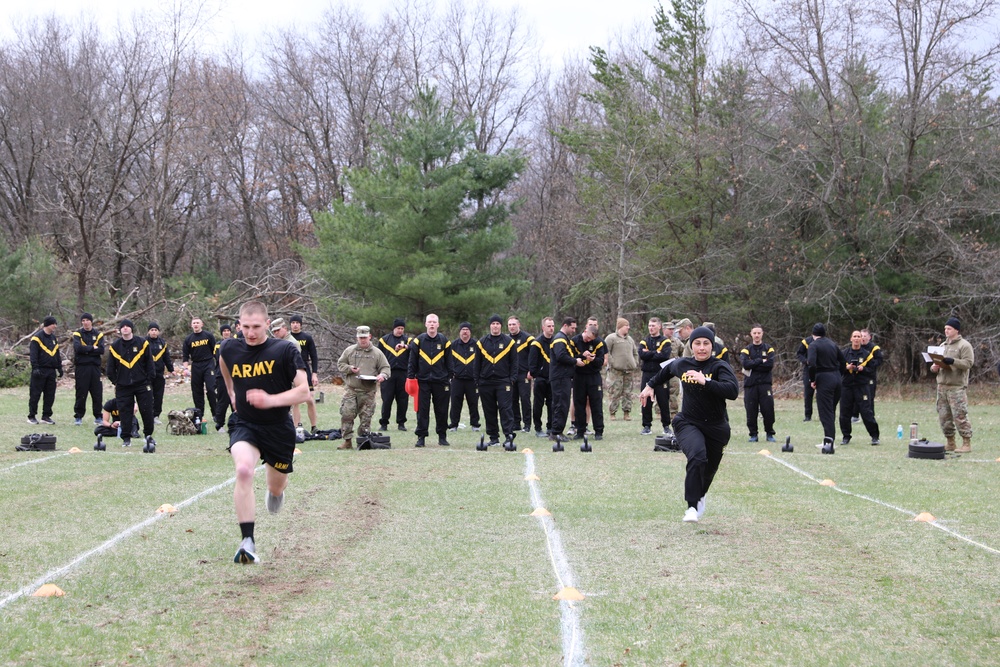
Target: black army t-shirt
x,y
270,366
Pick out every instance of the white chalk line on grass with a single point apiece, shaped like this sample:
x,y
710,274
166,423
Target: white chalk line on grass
x,y
935,523
101,548
574,653
33,461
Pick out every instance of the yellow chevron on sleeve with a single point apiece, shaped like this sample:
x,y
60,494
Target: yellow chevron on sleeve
x,y
527,341
805,344
870,355
130,364
46,350
541,349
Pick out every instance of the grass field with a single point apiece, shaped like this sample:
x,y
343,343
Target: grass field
x,y
430,556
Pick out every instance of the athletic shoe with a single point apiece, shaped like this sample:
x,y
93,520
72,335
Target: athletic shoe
x,y
598,436
156,420
770,438
494,442
541,434
126,443
753,438
273,502
246,554
443,442
77,422
97,421
646,431
401,427
453,429
420,442
475,429
48,420
845,441
875,442
558,437
691,515
222,429
855,420
808,419
701,506
526,429
313,429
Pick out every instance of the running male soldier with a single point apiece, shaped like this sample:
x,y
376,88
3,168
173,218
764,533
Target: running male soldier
x,y
264,376
364,368
396,347
88,350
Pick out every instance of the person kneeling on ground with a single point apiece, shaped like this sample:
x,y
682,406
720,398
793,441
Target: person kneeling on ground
x,y
702,425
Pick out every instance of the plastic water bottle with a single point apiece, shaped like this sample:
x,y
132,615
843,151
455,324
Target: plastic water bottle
x,y
899,432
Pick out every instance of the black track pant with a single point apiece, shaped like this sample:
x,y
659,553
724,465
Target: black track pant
x,y
463,391
43,385
562,392
588,388
827,397
497,400
159,387
521,402
703,445
807,393
203,382
88,383
438,394
126,398
394,392
759,400
542,401
662,395
857,400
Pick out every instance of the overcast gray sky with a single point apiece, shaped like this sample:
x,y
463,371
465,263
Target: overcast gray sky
x,y
566,27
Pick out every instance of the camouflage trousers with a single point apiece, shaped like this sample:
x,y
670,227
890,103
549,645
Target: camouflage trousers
x,y
953,411
675,392
355,405
620,389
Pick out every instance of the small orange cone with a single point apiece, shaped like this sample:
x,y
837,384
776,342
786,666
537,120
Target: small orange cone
x,y
926,517
568,593
541,511
166,508
74,450
764,452
297,451
532,478
48,591
528,451
827,482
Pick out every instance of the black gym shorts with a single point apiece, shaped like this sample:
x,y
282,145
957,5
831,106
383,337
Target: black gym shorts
x,y
276,442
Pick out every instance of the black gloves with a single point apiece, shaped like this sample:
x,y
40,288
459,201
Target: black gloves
x,y
948,360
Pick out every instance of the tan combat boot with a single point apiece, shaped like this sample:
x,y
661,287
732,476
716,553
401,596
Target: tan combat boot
x,y
628,416
966,446
346,444
949,445
613,417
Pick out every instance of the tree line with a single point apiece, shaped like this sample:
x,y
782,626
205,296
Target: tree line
x,y
830,161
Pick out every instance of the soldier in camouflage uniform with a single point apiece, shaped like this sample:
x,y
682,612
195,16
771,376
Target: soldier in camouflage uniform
x,y
358,362
623,366
952,381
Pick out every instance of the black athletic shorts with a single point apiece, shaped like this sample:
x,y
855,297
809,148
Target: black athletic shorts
x,y
276,442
